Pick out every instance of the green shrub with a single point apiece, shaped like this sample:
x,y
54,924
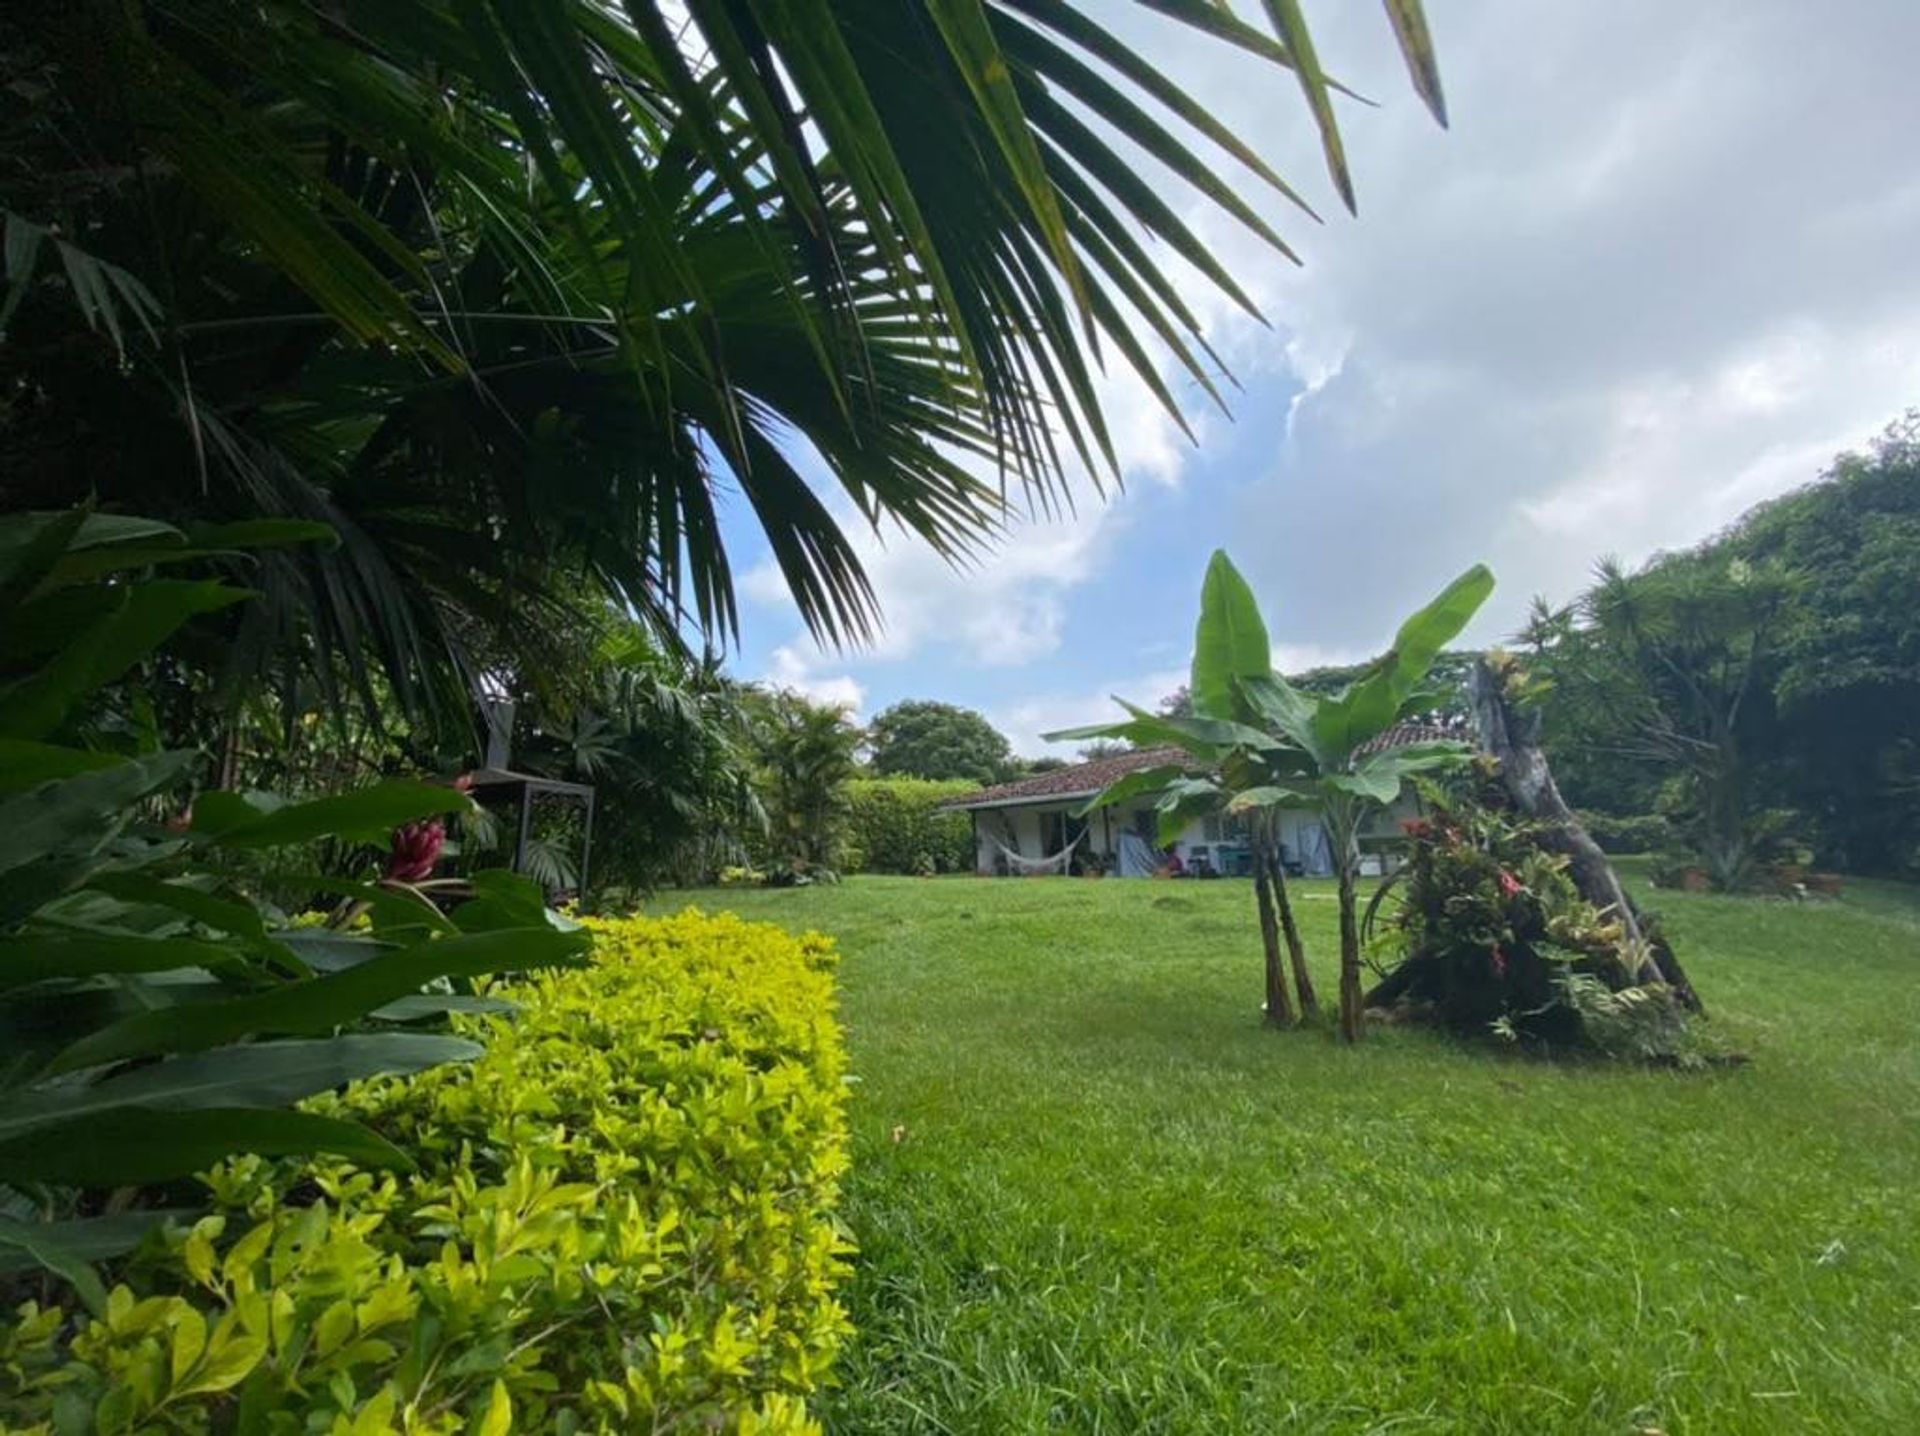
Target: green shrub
x,y
1638,833
622,1220
893,826
156,1012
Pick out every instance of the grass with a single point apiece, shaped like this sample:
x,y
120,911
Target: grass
x,y
1092,1194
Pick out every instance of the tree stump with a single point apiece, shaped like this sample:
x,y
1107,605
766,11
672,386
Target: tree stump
x,y
1512,737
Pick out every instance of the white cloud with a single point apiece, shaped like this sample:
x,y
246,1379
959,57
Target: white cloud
x,y
1026,718
797,672
1660,269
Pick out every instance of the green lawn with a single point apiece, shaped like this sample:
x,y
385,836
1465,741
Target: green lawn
x,y
1092,1194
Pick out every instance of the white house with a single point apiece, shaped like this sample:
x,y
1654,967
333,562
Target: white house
x,y
1026,826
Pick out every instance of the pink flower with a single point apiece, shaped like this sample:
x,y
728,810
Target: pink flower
x,y
1499,963
416,848
1509,884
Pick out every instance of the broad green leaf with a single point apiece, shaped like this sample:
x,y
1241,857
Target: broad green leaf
x,y
1375,784
1290,711
419,1009
145,616
319,1005
1379,700
367,814
30,545
76,811
240,919
25,764
1423,636
1147,781
508,899
1123,731
39,956
40,1241
1181,803
1230,643
1270,796
92,1239
257,1074
1197,735
134,1146
325,950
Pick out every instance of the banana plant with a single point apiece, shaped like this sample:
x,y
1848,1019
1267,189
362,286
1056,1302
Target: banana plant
x,y
1224,753
1329,756
1257,745
154,1017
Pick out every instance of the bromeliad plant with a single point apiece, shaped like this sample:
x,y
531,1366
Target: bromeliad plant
x,y
1256,745
154,1018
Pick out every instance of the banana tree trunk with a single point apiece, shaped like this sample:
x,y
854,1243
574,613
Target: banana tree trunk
x,y
1350,995
1513,737
1342,821
1279,1005
1296,949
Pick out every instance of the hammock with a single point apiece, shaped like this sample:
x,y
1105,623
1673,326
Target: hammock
x,y
1055,864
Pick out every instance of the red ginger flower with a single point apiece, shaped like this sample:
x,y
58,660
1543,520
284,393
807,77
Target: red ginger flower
x,y
1509,884
416,848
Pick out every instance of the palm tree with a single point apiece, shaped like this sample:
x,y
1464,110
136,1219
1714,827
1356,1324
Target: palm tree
x,y
511,295
804,755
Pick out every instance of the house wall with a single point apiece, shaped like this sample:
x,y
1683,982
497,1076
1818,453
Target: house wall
x,y
1023,829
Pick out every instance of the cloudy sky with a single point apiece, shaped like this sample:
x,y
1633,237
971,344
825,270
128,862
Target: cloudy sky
x,y
1664,264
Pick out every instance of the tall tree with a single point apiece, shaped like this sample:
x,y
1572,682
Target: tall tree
x,y
804,758
510,294
1670,666
1845,748
921,738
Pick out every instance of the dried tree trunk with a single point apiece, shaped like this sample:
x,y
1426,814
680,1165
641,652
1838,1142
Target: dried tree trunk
x,y
1279,1006
1514,739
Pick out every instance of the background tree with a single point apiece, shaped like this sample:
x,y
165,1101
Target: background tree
x,y
803,755
920,738
1844,743
1670,666
663,736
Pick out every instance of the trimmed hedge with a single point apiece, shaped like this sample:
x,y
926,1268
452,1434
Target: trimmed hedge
x,y
1641,833
622,1220
892,826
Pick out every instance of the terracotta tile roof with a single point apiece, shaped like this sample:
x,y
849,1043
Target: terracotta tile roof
x,y
1082,780
1402,735
1078,780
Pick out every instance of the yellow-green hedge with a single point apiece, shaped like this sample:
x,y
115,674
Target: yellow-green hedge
x,y
622,1221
